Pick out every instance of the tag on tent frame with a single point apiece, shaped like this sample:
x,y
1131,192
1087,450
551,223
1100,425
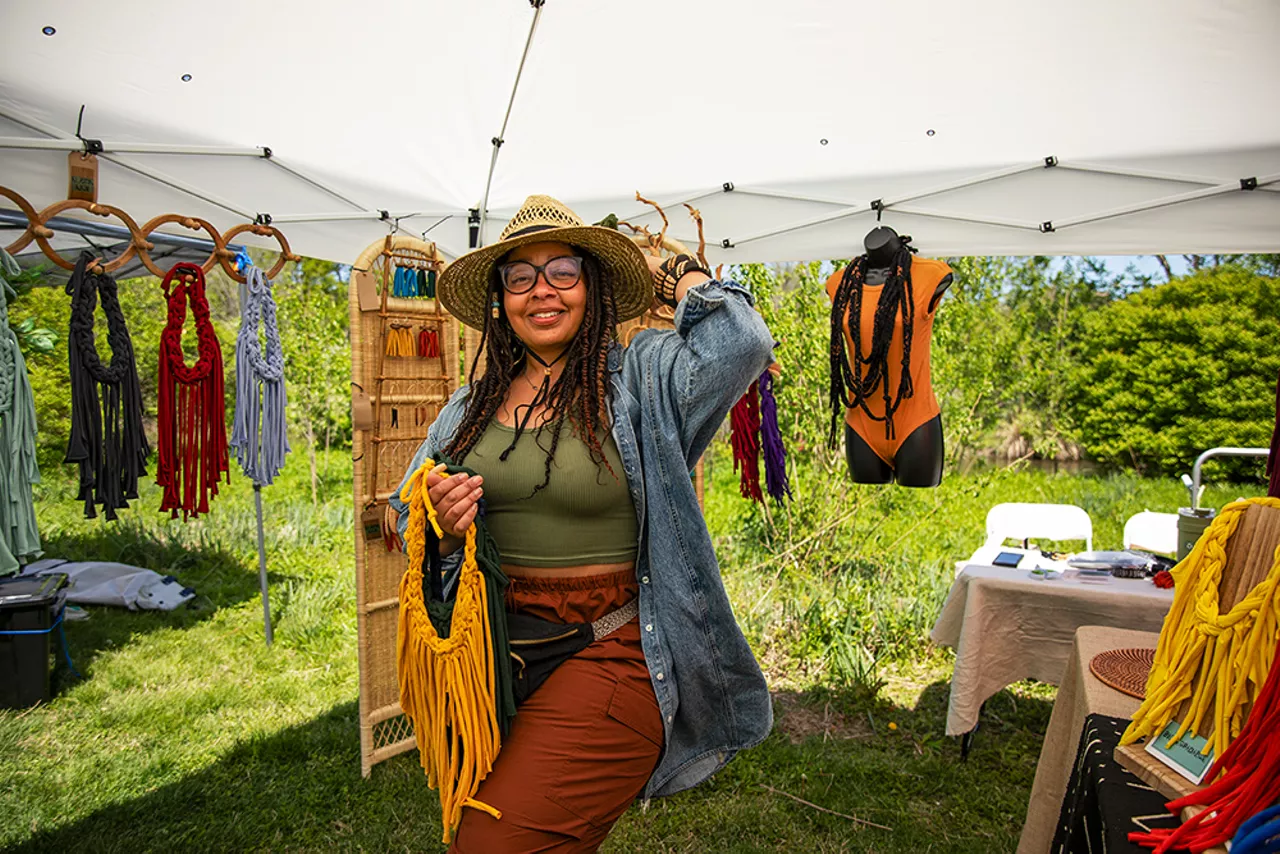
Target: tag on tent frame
x,y
82,176
1184,755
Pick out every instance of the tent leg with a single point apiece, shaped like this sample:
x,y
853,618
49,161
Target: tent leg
x,y
262,566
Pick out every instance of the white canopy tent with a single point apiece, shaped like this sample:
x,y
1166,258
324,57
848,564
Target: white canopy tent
x,y
1004,127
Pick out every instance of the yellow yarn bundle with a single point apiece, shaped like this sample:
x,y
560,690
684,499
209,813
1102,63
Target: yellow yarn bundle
x,y
447,684
1218,661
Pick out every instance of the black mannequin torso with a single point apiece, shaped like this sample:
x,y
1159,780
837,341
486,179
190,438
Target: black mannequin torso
x,y
882,243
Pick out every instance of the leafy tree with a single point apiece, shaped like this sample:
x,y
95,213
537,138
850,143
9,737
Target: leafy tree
x,y
1179,368
311,298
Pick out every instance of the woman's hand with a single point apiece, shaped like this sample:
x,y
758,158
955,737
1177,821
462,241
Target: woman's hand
x,y
456,499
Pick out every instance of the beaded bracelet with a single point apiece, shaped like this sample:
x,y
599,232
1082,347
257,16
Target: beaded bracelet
x,y
669,274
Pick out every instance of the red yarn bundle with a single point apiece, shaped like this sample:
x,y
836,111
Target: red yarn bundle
x,y
191,421
744,436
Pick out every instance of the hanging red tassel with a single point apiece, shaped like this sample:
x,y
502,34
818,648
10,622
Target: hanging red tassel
x,y
744,422
191,420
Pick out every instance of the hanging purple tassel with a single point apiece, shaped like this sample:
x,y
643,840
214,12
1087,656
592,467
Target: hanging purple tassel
x,y
775,456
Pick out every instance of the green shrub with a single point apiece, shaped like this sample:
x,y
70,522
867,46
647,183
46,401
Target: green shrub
x,y
1180,368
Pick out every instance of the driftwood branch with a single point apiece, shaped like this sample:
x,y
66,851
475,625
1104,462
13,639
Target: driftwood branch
x,y
702,240
654,244
662,235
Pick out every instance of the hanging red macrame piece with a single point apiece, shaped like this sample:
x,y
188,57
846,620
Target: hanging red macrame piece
x,y
744,436
191,421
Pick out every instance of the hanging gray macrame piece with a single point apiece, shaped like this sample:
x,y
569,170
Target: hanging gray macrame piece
x,y
258,432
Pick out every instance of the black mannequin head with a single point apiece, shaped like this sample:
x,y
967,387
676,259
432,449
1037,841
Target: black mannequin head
x,y
882,243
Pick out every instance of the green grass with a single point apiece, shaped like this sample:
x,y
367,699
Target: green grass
x,y
187,733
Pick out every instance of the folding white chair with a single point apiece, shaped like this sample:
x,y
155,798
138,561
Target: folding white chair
x,y
1152,532
1020,521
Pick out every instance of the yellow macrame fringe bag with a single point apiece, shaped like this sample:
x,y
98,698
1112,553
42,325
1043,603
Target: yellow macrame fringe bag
x,y
447,684
1218,661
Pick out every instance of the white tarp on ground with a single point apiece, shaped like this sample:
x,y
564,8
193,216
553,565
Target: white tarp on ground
x,y
392,104
98,582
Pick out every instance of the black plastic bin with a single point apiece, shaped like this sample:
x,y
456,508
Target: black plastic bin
x,y
29,609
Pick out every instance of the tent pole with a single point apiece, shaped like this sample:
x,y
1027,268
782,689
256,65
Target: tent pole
x,y
73,144
886,203
1102,169
357,215
964,182
1167,201
791,197
36,125
977,220
315,182
180,186
262,566
146,172
501,137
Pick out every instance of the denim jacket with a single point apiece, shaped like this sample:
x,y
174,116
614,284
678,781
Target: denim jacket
x,y
671,392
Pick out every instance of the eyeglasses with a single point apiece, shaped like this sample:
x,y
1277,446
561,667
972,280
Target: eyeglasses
x,y
561,273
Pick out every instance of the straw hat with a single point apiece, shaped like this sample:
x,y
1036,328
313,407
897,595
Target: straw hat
x,y
464,284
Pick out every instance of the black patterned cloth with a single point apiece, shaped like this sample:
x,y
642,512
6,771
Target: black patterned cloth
x,y
1105,802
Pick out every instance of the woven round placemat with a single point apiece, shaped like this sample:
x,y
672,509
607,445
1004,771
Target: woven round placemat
x,y
1126,670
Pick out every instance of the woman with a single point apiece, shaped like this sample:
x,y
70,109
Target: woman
x,y
582,454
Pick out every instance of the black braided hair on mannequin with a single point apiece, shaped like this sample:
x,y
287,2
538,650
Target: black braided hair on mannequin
x,y
854,379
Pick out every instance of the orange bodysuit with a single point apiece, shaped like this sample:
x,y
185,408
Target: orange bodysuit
x,y
912,412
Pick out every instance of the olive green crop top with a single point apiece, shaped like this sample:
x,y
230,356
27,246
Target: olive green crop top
x,y
582,516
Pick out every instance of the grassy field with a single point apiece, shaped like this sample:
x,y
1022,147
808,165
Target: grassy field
x,y
187,733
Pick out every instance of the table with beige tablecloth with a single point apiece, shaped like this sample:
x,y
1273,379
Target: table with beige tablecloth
x,y
1079,695
1007,626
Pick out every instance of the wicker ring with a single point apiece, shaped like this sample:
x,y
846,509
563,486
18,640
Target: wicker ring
x,y
34,227
226,256
191,222
98,210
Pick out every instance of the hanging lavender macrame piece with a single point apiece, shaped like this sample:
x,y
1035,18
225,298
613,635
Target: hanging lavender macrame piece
x,y
258,433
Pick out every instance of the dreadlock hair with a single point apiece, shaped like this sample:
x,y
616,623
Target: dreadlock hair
x,y
855,378
578,395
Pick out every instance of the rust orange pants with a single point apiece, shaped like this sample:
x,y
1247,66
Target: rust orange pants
x,y
583,746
